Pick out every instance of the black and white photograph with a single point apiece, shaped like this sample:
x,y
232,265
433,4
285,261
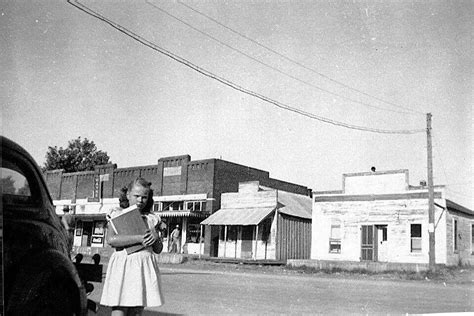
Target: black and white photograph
x,y
237,157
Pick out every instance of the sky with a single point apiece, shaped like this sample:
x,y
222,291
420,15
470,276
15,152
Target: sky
x,y
375,64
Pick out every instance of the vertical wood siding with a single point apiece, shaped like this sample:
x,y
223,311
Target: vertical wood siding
x,y
293,238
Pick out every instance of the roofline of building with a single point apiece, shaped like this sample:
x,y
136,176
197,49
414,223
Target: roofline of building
x,y
369,173
376,197
453,206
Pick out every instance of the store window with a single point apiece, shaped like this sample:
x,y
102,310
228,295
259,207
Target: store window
x,y
335,238
194,230
196,206
172,206
415,237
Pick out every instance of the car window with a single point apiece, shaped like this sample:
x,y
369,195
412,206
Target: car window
x,y
15,186
14,183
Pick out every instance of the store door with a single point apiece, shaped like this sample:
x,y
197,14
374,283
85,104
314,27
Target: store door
x,y
367,243
382,243
86,233
247,238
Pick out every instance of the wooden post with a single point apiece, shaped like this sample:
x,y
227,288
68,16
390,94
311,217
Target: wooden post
x,y
431,226
256,242
225,239
200,242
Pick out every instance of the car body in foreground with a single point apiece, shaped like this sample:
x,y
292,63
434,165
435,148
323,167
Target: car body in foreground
x,y
39,276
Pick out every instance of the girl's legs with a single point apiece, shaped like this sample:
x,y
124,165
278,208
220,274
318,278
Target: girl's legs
x,y
119,311
135,311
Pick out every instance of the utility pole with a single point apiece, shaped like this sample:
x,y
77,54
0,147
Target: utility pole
x,y
431,225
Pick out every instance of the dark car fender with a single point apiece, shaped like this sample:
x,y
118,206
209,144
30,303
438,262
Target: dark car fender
x,y
47,283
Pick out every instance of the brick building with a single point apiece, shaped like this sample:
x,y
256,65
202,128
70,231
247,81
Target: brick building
x,y
185,193
378,216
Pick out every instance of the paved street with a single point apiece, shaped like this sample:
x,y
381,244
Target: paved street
x,y
194,290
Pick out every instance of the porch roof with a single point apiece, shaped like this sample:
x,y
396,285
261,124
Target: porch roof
x,y
239,216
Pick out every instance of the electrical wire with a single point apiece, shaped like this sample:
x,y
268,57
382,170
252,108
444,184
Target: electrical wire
x,y
270,66
297,62
224,81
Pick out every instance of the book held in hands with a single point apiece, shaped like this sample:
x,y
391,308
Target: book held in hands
x,y
129,222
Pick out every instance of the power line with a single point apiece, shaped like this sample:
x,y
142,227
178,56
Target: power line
x,y
209,74
270,66
301,64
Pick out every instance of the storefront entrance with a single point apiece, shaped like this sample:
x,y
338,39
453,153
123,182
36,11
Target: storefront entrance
x,y
247,238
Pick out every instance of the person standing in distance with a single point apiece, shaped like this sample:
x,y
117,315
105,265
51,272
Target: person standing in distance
x,y
175,239
68,222
133,281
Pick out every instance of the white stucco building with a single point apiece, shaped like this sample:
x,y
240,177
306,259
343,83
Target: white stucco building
x,y
378,216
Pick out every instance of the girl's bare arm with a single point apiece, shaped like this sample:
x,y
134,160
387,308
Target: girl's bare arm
x,y
122,240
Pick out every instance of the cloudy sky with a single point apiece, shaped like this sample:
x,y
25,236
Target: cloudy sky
x,y
378,65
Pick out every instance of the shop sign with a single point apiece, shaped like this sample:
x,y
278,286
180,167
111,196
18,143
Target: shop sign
x,y
171,171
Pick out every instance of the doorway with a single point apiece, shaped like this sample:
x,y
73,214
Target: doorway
x,y
367,243
381,242
247,238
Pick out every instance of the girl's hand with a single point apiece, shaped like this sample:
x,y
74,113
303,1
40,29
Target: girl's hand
x,y
149,238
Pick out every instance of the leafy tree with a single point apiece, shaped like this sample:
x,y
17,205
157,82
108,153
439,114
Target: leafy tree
x,y
8,185
79,155
24,190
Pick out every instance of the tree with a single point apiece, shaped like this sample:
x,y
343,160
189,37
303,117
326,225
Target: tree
x,y
79,155
24,190
8,185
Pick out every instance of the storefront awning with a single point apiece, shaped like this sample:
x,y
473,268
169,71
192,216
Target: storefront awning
x,y
180,214
238,216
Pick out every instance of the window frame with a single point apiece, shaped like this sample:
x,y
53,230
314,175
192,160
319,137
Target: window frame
x,y
416,238
335,244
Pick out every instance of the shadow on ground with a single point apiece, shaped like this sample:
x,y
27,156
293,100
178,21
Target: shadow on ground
x,y
105,311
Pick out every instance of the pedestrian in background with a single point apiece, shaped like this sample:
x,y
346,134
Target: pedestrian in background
x,y
175,239
133,281
69,223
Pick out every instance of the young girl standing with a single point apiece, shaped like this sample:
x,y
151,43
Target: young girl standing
x,y
133,280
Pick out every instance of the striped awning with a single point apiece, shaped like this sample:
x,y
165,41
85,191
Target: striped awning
x,y
180,214
238,216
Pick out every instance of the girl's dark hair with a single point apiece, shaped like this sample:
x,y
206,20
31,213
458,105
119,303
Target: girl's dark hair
x,y
123,199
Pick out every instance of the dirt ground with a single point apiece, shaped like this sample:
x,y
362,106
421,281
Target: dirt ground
x,y
454,275
207,288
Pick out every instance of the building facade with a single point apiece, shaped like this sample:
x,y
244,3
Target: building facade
x,y
185,192
262,223
379,217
